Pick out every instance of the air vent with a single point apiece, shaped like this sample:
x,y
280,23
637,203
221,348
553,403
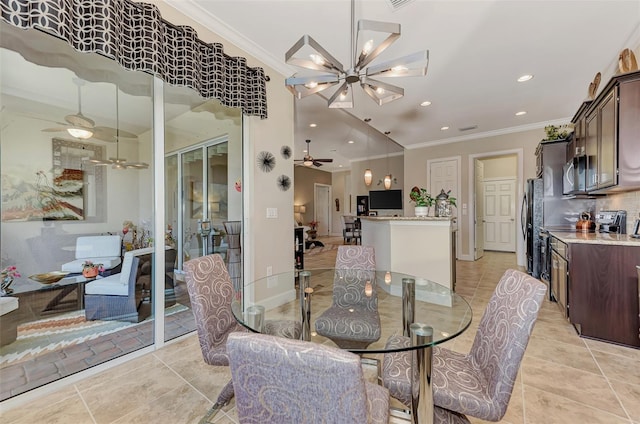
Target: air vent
x,y
397,4
473,127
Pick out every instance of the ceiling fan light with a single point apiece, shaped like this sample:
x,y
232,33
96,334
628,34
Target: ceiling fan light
x,y
368,177
307,162
81,133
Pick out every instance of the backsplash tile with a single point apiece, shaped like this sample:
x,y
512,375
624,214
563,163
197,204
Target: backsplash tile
x,y
629,201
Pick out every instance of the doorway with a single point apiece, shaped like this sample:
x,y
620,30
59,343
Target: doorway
x,y
492,168
322,208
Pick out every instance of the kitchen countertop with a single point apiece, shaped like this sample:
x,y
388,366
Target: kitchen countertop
x,y
409,218
595,238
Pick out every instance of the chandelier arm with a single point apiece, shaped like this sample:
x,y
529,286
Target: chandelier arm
x,y
305,86
401,67
381,92
342,98
330,64
387,27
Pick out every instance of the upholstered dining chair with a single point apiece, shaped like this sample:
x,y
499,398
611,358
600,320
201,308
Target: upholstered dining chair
x,y
278,380
478,384
210,291
352,320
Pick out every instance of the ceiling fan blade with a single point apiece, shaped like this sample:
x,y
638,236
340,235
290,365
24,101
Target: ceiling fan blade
x,y
54,129
413,65
110,134
323,160
316,163
79,120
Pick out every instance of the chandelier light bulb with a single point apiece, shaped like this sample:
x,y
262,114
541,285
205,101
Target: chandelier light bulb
x,y
368,46
311,84
399,69
380,90
343,94
317,59
368,177
387,181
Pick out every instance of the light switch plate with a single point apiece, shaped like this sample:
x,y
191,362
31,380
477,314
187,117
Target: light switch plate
x,y
272,212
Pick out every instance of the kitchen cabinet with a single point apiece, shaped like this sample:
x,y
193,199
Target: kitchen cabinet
x,y
603,292
601,143
612,137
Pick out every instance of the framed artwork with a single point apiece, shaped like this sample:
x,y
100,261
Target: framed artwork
x,y
71,191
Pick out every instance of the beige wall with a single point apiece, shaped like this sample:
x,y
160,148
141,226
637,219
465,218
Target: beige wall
x,y
415,167
303,183
339,191
500,167
270,241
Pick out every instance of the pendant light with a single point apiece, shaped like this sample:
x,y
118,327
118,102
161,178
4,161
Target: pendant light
x,y
388,177
368,175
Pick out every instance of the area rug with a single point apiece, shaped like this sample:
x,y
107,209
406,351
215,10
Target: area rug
x,y
320,249
71,328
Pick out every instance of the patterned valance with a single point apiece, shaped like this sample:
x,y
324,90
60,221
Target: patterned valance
x,y
136,36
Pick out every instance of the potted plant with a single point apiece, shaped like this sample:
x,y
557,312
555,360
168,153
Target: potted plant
x,y
313,232
90,269
422,200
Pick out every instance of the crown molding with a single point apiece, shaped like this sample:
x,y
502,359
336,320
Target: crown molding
x,y
205,18
503,131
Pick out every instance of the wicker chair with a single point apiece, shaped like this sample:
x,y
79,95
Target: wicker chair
x,y
480,383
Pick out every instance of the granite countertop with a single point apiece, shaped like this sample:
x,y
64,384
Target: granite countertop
x,y
595,238
409,218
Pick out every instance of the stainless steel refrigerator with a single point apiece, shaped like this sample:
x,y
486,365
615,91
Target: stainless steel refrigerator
x,y
544,206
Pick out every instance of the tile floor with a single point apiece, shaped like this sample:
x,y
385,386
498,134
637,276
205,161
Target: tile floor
x,y
563,378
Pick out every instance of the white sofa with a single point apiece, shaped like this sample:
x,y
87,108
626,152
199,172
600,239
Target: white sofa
x,y
103,250
8,323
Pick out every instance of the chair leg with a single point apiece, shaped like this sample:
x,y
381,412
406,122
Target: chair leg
x,y
224,398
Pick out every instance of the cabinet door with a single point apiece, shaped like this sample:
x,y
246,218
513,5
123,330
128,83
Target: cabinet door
x,y
607,166
591,149
579,137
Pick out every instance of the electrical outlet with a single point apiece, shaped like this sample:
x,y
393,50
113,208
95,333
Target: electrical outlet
x,y
269,271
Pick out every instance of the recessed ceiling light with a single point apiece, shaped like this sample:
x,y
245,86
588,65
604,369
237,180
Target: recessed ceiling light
x,y
524,78
313,125
444,128
522,112
425,103
350,141
339,166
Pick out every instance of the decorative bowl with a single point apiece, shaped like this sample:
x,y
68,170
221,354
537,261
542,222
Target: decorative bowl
x,y
49,277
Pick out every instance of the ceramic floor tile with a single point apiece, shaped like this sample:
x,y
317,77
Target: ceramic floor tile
x,y
70,411
165,410
619,368
571,355
543,407
64,396
599,346
571,383
629,395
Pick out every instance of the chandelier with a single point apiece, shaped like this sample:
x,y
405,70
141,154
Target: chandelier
x,y
366,44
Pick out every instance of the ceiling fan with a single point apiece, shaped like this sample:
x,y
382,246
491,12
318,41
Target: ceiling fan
x,y
82,127
309,160
118,162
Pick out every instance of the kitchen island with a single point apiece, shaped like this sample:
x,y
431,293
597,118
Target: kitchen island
x,y
420,246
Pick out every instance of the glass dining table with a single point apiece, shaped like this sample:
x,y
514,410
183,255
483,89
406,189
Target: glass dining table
x,y
358,310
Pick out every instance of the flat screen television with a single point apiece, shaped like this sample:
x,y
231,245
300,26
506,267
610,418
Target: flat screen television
x,y
385,199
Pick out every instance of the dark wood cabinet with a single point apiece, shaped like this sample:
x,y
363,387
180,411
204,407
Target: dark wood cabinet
x,y
612,137
603,292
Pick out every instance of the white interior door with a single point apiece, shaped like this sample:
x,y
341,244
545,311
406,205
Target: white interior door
x,y
478,195
499,215
322,206
444,175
